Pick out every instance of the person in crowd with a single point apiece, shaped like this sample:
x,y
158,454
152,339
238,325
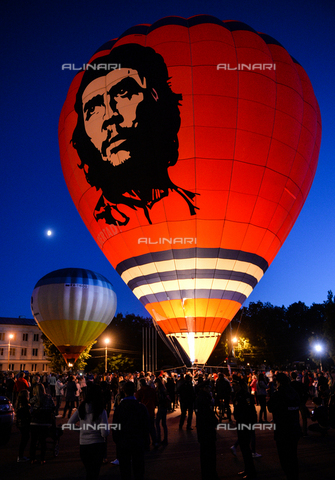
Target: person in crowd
x,y
83,386
284,405
311,389
70,388
151,381
180,380
323,388
9,385
20,384
23,417
89,378
305,378
331,410
42,419
34,380
187,397
132,436
107,398
171,387
261,397
302,390
147,396
320,417
59,393
115,384
120,395
52,384
90,415
253,387
106,392
245,416
249,380
223,392
163,401
206,423
77,393
252,432
2,384
44,381
271,386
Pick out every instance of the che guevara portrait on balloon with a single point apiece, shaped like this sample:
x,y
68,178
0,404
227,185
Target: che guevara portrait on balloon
x,y
189,147
127,132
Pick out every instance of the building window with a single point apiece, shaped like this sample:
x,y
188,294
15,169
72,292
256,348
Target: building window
x,y
25,337
36,337
12,352
2,335
22,367
34,367
35,352
24,352
1,351
11,366
0,367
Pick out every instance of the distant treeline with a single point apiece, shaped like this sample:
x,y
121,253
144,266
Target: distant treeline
x,y
282,335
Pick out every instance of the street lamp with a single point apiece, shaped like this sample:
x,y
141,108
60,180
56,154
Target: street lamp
x,y
106,342
319,348
233,341
10,337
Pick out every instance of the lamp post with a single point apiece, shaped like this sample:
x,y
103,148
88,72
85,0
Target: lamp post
x,y
318,348
9,339
233,341
106,342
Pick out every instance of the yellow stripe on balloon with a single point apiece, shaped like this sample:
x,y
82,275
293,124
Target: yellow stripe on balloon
x,y
79,332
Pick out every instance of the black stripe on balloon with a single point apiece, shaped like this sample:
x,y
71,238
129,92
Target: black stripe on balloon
x,y
193,294
269,40
169,21
192,274
74,276
106,46
187,22
199,19
136,30
272,41
233,26
185,253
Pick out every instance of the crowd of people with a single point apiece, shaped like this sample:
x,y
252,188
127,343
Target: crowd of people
x,y
141,401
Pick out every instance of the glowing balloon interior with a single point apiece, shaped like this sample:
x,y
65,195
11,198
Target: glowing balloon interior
x,y
72,307
189,147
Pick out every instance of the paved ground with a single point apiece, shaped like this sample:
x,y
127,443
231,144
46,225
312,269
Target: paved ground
x,y
179,460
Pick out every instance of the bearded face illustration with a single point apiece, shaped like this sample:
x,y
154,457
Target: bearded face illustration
x,y
126,133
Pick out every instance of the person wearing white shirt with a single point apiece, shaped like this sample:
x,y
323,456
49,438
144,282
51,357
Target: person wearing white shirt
x,y
93,421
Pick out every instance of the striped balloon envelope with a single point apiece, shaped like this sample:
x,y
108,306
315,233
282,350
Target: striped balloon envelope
x,y
72,307
189,147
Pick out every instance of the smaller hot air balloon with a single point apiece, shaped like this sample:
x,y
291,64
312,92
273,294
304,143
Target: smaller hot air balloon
x,y
72,307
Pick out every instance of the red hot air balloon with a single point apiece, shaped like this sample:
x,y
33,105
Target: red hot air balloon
x,y
189,147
